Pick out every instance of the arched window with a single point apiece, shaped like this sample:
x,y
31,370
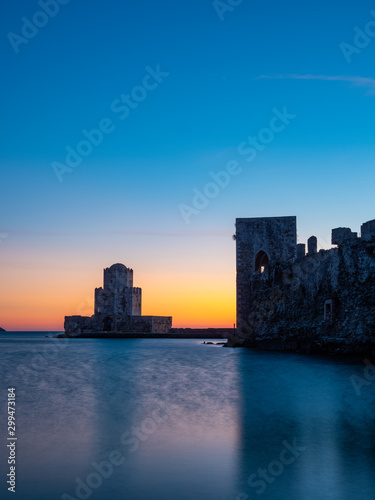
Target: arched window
x,y
261,262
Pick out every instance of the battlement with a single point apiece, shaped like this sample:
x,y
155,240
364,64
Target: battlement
x,y
288,298
344,235
368,230
118,307
341,235
261,242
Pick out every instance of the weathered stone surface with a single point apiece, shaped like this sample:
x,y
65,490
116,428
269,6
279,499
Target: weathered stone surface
x,y
118,308
368,230
75,325
342,235
146,324
118,296
322,303
301,251
312,245
258,240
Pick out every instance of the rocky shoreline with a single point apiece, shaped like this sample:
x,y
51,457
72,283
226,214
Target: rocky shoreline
x,y
326,346
339,347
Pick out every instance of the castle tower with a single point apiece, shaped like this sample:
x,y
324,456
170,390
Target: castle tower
x,y
118,309
259,243
118,297
117,277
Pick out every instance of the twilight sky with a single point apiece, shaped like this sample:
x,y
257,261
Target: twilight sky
x,y
278,95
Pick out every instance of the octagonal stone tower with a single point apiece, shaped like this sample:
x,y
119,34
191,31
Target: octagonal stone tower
x,y
118,297
118,309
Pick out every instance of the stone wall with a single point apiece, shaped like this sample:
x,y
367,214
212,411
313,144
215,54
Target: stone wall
x,y
136,301
76,325
117,277
118,308
118,297
151,324
160,324
260,242
323,301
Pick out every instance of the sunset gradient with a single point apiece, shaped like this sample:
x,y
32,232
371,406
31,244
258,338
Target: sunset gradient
x,y
222,79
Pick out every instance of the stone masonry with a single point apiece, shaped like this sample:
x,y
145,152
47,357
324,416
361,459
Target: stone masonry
x,y
118,308
322,301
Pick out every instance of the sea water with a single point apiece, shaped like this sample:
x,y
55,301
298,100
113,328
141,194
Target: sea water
x,y
176,419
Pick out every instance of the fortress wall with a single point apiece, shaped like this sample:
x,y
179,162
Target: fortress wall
x,y
118,308
272,240
327,296
136,302
75,325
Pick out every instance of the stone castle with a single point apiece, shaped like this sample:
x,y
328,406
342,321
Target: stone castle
x,y
118,308
319,301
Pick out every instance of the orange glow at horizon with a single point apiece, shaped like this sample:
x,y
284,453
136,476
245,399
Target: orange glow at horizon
x,y
191,301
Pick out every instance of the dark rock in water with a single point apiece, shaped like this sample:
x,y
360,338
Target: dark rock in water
x,y
2,330
208,343
220,343
62,336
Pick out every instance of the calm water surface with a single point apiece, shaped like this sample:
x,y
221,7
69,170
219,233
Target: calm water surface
x,y
183,421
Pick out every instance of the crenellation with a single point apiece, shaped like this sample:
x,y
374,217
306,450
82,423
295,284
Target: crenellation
x,y
368,230
341,235
118,308
313,302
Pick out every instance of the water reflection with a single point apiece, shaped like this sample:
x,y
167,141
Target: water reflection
x,y
310,402
168,419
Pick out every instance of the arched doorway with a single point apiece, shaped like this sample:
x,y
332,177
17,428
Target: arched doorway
x,y
107,324
261,261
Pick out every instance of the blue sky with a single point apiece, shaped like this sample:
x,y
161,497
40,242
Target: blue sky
x,y
225,78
